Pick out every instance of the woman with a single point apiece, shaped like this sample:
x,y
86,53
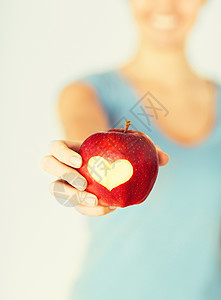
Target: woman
x,y
167,247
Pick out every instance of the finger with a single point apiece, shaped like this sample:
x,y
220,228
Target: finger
x,y
62,190
163,157
94,211
66,152
53,166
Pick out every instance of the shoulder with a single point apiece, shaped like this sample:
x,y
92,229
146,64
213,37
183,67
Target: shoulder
x,y
88,91
76,92
84,88
83,98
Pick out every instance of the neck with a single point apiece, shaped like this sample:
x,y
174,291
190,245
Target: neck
x,y
167,65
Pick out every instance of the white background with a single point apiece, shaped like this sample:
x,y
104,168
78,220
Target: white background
x,y
44,45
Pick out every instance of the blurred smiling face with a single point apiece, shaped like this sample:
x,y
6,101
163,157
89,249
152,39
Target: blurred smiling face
x,y
165,22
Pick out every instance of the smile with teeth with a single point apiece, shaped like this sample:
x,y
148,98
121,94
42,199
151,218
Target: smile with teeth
x,y
164,22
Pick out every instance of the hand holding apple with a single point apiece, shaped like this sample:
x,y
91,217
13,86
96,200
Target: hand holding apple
x,y
120,166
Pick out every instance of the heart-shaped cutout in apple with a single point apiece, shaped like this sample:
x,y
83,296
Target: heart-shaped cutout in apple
x,y
120,165
109,175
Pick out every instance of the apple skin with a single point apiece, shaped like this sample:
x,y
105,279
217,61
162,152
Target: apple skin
x,y
115,144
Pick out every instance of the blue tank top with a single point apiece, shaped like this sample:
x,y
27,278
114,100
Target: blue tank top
x,y
168,247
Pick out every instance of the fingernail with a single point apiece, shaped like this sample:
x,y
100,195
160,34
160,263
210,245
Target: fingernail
x,y
80,183
90,201
76,161
112,207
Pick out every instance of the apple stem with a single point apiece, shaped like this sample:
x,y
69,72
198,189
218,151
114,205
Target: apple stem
x,y
127,124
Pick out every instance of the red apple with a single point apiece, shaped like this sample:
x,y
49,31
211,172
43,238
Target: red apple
x,y
121,166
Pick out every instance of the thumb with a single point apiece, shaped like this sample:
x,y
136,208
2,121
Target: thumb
x,y
163,157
